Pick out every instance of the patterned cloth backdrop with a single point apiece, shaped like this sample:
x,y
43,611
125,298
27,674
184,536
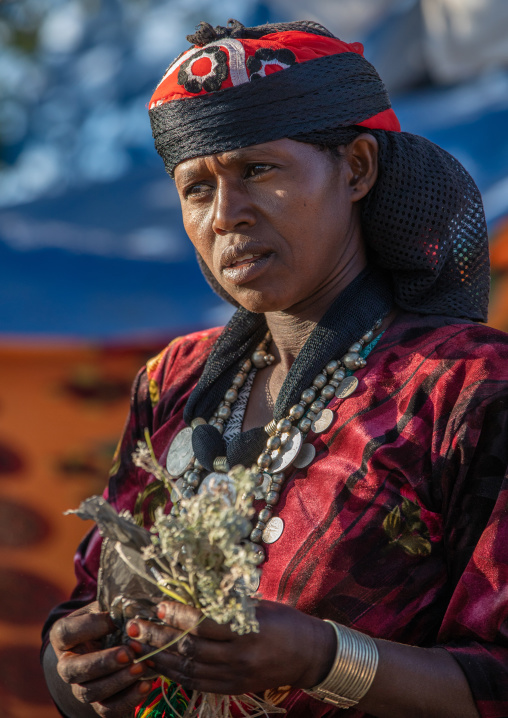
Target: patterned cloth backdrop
x,y
62,409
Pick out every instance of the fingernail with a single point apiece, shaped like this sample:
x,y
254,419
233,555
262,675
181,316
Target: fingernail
x,y
122,656
133,630
144,687
150,663
161,610
136,647
136,669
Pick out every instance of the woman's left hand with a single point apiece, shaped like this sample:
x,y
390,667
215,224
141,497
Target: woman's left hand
x,y
291,648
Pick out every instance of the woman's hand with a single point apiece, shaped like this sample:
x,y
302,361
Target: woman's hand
x,y
105,679
298,650
291,648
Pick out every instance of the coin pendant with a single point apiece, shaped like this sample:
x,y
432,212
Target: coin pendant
x,y
284,457
273,530
180,452
251,584
322,421
305,457
260,554
346,387
214,479
254,585
261,491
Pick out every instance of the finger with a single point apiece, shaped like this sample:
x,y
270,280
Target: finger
x,y
234,673
190,672
152,636
187,618
88,608
108,687
155,635
124,703
196,676
71,631
79,668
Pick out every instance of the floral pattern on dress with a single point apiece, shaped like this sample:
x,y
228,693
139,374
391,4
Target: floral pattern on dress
x,y
153,390
405,529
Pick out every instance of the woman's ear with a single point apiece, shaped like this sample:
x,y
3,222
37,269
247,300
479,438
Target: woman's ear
x,y
362,157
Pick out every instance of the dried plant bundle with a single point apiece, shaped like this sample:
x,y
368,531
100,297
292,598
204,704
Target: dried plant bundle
x,y
201,556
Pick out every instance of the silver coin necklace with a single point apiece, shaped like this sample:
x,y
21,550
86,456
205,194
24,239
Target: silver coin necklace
x,y
285,445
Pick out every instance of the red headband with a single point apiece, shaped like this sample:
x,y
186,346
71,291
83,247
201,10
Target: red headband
x,y
229,62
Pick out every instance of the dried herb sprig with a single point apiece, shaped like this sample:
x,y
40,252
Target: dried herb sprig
x,y
206,548
144,457
201,557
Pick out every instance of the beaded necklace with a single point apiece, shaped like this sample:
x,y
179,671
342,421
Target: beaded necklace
x,y
285,439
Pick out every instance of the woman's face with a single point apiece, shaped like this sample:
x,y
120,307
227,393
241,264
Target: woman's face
x,y
276,223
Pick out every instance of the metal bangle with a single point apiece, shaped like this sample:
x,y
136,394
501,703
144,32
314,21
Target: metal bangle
x,y
353,670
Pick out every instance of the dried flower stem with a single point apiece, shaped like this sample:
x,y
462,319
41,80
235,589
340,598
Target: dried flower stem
x,y
169,644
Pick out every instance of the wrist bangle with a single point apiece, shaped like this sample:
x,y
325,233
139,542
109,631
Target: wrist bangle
x,y
352,671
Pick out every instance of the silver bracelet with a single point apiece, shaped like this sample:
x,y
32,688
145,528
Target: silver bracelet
x,y
353,670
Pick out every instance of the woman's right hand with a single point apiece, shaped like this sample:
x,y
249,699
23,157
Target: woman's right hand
x,y
105,679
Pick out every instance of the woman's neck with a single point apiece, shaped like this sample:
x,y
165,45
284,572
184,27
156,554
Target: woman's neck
x,y
290,331
289,334
291,328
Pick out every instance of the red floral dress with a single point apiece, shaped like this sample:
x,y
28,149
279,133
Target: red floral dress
x,y
399,527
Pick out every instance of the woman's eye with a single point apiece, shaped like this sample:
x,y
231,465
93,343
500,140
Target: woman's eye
x,y
257,168
196,189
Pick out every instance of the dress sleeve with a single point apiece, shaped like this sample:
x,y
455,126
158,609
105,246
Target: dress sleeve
x,y
124,484
475,485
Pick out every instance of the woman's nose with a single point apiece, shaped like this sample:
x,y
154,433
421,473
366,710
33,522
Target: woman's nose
x,y
232,209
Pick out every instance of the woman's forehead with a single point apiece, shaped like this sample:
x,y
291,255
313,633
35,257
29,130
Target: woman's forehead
x,y
263,151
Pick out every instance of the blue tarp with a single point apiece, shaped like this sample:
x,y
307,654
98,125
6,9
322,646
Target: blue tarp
x,y
112,260
118,293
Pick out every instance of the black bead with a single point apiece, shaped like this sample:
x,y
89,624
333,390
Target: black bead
x,y
207,443
246,447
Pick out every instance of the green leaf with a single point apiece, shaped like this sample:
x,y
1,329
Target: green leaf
x,y
415,545
393,523
410,508
412,513
159,495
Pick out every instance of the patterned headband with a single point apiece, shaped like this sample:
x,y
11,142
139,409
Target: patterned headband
x,y
233,93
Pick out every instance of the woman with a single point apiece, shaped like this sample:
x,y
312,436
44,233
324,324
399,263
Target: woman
x,y
386,512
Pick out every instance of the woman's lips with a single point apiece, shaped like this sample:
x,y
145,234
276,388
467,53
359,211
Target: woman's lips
x,y
246,268
244,259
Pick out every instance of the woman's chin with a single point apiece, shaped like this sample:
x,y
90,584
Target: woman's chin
x,y
258,301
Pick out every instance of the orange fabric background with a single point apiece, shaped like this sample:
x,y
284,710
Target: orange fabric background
x,y
498,309
62,409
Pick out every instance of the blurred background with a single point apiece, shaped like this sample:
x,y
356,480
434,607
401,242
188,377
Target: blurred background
x,y
96,272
